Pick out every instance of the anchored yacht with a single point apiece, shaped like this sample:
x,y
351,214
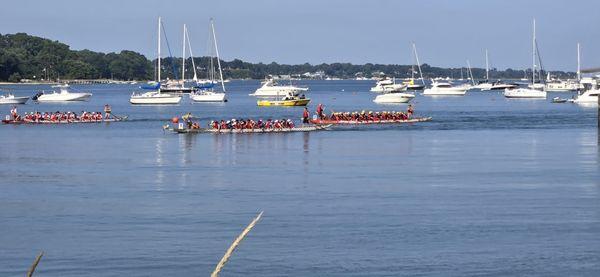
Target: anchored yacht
x,y
443,88
270,88
62,95
394,97
388,85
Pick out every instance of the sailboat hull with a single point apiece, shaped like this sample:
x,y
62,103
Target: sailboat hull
x,y
155,98
209,97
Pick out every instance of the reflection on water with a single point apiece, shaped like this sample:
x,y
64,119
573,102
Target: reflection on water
x,y
159,162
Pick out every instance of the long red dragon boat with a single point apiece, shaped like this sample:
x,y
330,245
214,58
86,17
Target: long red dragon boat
x,y
376,121
25,121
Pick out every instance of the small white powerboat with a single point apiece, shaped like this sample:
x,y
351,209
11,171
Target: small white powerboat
x,y
588,96
62,95
394,97
525,93
443,89
11,99
388,85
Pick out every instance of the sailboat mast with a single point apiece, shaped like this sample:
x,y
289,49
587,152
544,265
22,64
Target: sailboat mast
x,y
487,66
183,57
533,69
159,24
418,63
212,26
578,62
470,72
191,54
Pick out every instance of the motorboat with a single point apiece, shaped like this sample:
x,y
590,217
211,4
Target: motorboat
x,y
559,100
270,88
524,93
588,96
589,93
157,97
388,85
557,85
206,92
289,100
483,86
11,99
62,95
443,88
394,97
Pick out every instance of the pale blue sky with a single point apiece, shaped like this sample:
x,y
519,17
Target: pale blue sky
x,y
378,31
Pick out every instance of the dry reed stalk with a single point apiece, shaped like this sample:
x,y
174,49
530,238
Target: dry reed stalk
x,y
234,245
35,264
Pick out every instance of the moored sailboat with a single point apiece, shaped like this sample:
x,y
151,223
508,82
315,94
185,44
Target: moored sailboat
x,y
207,93
156,97
534,90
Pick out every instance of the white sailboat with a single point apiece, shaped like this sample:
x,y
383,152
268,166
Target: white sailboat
x,y
411,84
534,90
178,86
155,97
208,94
485,85
62,95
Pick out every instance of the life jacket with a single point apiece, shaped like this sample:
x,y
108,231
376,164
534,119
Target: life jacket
x,y
305,114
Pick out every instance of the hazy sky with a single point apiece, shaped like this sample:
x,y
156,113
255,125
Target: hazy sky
x,y
447,33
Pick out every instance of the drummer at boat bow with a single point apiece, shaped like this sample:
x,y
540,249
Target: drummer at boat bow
x,y
15,115
107,111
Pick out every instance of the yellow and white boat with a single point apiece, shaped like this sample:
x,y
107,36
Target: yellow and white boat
x,y
296,101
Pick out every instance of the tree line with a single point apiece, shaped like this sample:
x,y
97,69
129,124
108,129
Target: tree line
x,y
29,57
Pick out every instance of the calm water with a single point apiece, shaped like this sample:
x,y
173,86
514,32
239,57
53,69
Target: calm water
x,y
491,187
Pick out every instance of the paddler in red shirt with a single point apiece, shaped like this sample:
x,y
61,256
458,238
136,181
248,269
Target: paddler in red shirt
x,y
410,111
305,116
320,110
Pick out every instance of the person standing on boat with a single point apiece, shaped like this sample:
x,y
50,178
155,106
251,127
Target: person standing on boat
x,y
305,116
410,111
320,110
107,111
14,113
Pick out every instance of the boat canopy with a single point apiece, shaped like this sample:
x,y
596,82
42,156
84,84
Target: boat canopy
x,y
153,85
205,86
